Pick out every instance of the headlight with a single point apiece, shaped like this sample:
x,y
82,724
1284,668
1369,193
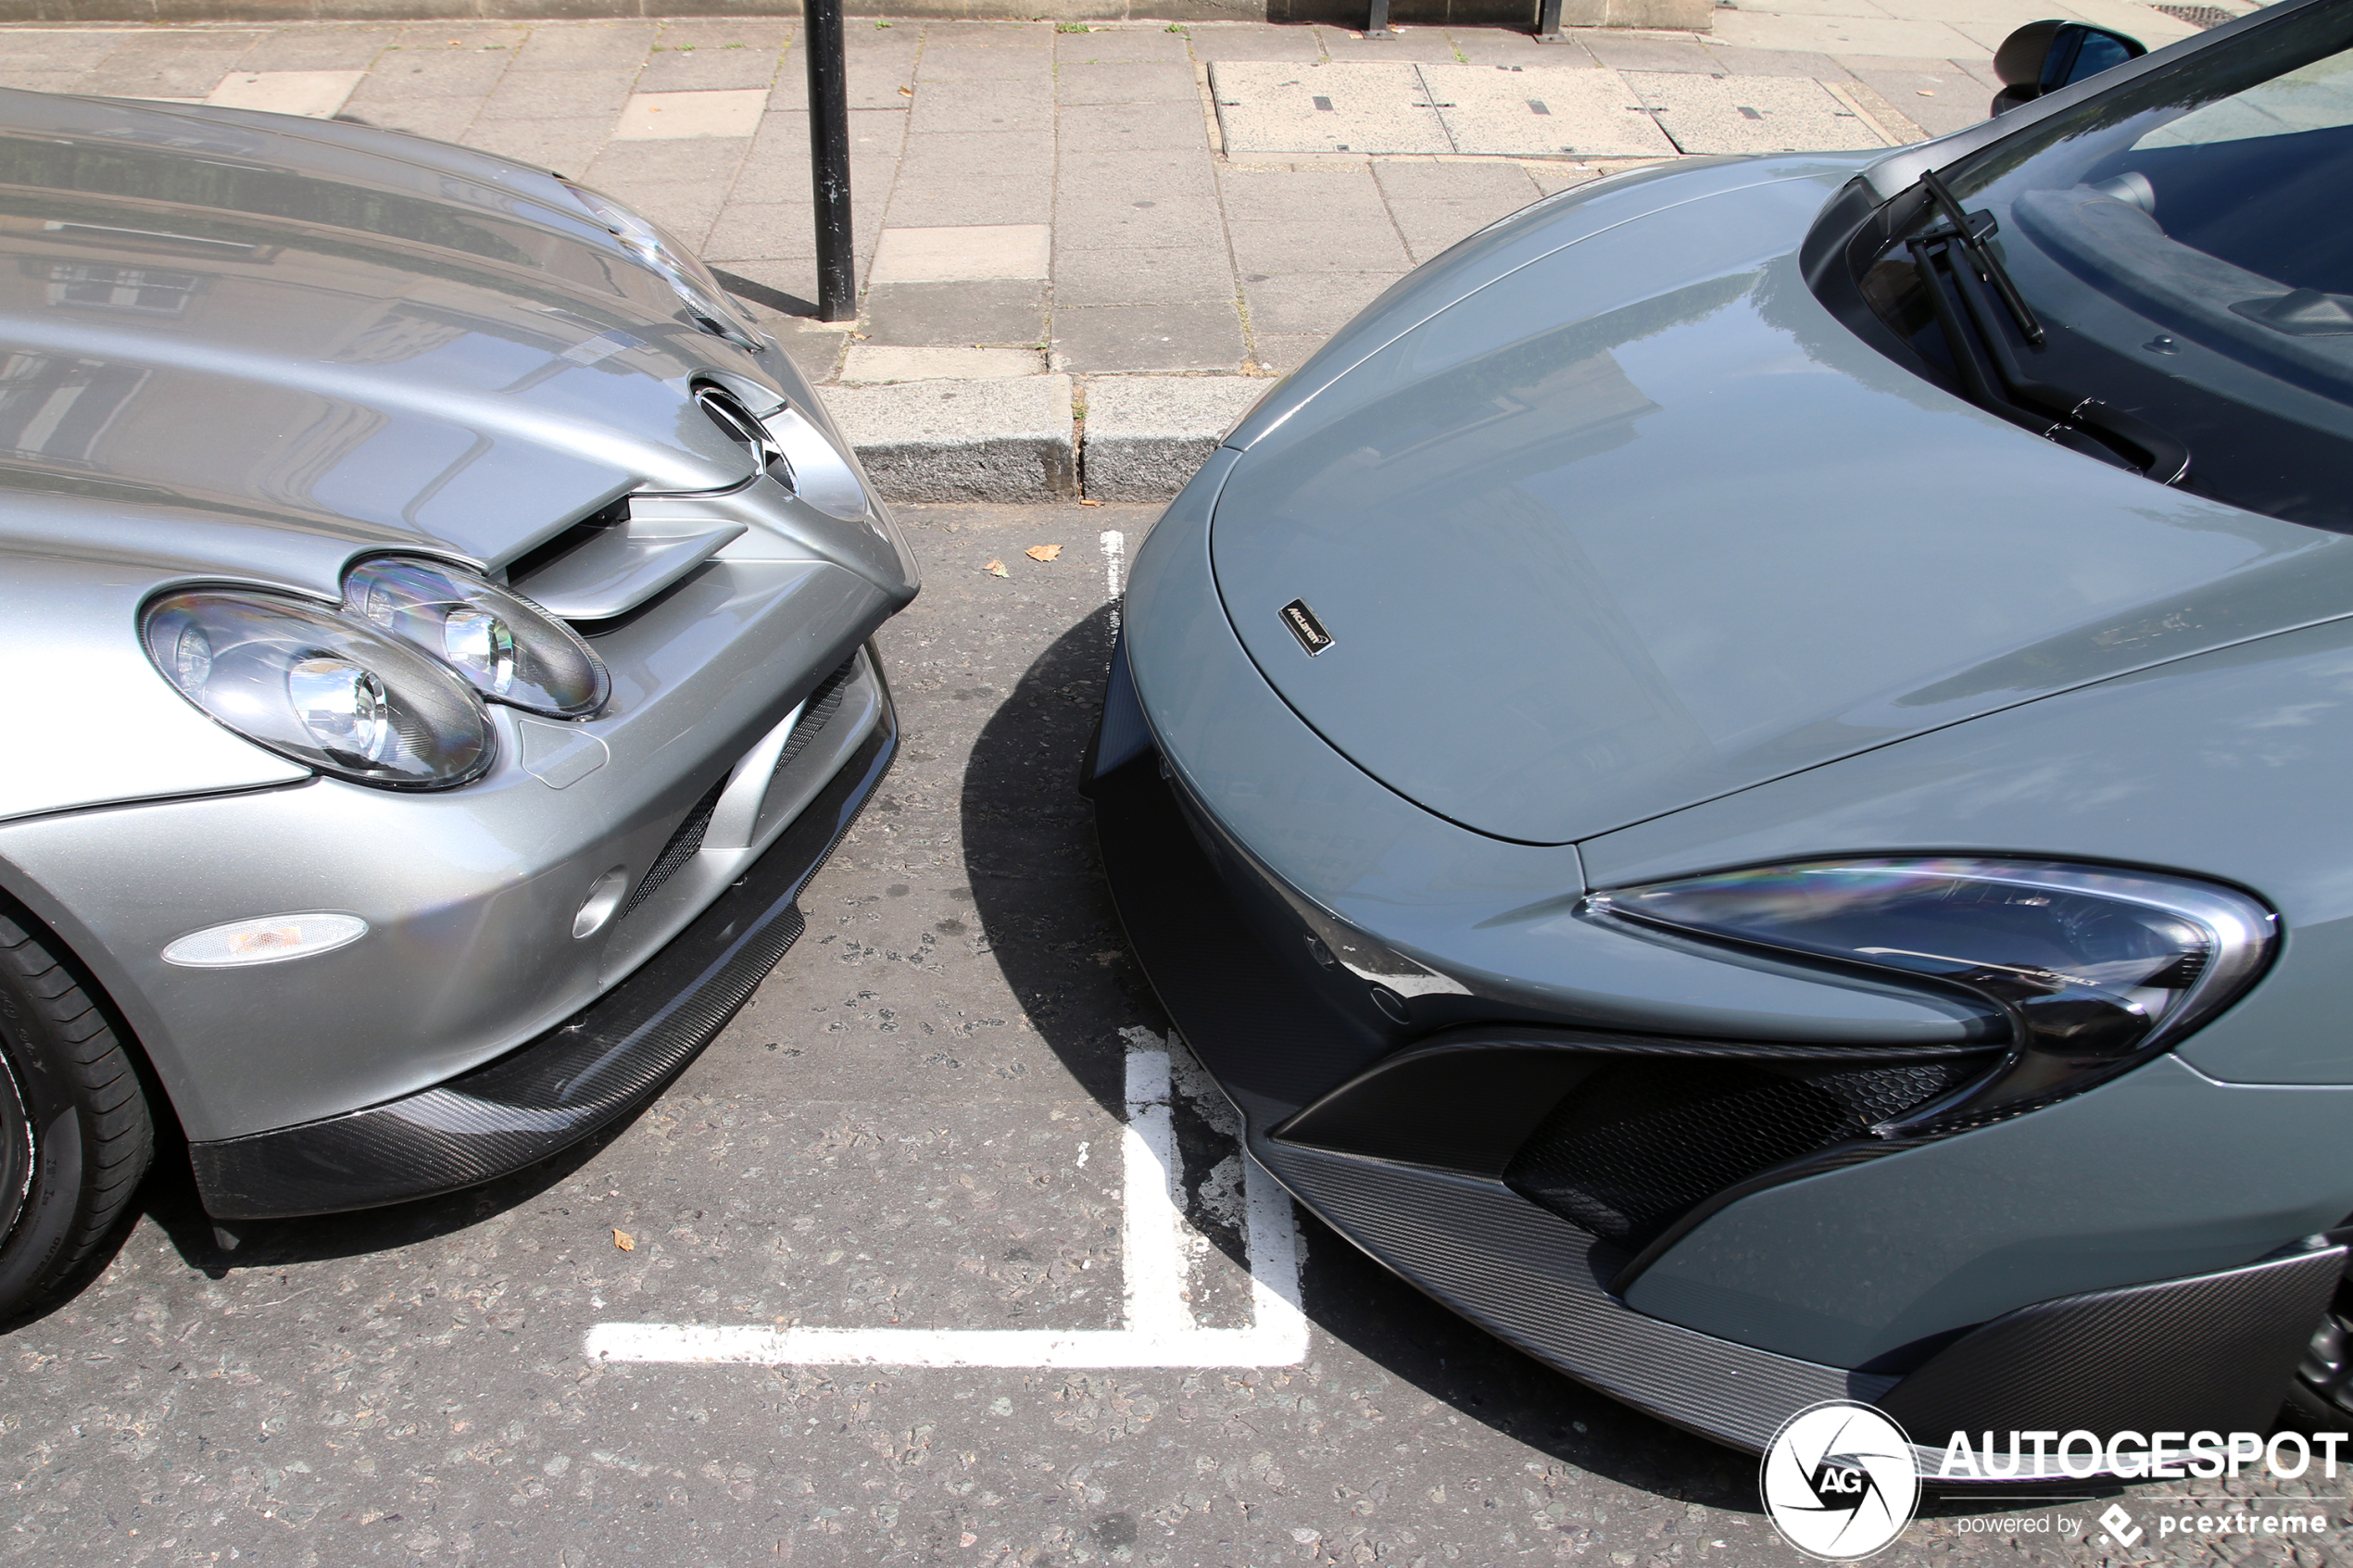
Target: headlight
x,y
310,686
2093,969
511,649
687,278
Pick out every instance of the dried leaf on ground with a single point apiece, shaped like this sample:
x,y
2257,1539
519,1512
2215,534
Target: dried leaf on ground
x,y
997,568
1090,503
1043,552
623,1240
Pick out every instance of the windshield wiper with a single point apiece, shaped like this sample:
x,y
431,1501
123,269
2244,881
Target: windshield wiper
x,y
1991,372
1991,265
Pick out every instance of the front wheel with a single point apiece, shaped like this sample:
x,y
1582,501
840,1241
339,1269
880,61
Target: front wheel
x,y
75,1136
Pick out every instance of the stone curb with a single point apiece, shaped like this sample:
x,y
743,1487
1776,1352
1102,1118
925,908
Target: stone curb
x,y
1011,439
1003,440
1146,434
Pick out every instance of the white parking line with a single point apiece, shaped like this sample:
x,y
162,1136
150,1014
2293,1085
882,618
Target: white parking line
x,y
1115,546
1160,1330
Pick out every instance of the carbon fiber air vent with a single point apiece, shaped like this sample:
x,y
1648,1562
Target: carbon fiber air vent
x,y
1641,1144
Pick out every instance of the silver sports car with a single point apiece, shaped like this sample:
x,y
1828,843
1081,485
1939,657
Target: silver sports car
x,y
441,627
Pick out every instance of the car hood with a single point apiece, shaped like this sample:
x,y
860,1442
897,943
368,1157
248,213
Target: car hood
x,y
243,348
1604,515
258,346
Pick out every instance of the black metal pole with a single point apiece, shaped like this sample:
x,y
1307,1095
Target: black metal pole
x,y
1548,21
1376,19
829,158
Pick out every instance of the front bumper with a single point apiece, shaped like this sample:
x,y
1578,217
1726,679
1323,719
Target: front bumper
x,y
1517,1271
1416,1179
599,1066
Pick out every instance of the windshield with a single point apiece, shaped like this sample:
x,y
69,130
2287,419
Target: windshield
x,y
2178,251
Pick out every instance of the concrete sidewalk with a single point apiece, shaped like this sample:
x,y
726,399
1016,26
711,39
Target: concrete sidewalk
x,y
1083,249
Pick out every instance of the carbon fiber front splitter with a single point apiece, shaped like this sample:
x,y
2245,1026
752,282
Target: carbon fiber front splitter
x,y
600,1065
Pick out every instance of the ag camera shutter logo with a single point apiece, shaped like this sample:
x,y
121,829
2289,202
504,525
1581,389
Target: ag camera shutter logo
x,y
1839,1481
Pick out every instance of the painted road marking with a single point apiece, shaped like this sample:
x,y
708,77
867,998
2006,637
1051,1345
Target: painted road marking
x,y
1115,546
1159,1329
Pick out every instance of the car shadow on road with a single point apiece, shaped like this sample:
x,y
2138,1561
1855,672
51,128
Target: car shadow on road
x,y
169,1198
1038,890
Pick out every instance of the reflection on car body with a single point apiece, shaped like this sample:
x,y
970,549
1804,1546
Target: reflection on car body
x,y
446,622
1836,667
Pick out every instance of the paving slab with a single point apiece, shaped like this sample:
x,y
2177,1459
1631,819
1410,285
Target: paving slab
x,y
1019,199
1430,227
551,94
1156,174
1312,198
555,45
1246,41
1127,82
328,47
1131,127
709,66
1732,60
1752,113
974,252
998,440
1179,221
1937,95
959,62
871,363
1146,275
316,94
1207,336
1328,247
985,155
1146,41
1353,106
1310,304
1410,43
170,72
1544,112
448,119
1845,36
957,315
1509,46
1279,354
652,117
406,70
754,231
955,107
1665,52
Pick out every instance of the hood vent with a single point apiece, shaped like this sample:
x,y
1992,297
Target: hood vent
x,y
742,427
607,565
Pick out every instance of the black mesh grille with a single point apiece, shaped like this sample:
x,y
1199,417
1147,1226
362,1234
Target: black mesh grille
x,y
1642,1143
682,848
823,703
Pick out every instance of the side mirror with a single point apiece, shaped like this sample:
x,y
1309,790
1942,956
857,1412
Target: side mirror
x,y
2046,56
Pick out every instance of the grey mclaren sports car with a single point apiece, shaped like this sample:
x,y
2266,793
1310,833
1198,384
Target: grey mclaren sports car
x,y
441,631
1745,779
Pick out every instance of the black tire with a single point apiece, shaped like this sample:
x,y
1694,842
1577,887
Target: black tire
x,y
75,1137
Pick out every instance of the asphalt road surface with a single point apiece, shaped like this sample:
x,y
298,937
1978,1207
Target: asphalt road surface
x,y
928,1123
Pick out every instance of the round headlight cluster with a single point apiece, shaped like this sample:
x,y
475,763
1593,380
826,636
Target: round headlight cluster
x,y
706,302
387,692
310,684
509,648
